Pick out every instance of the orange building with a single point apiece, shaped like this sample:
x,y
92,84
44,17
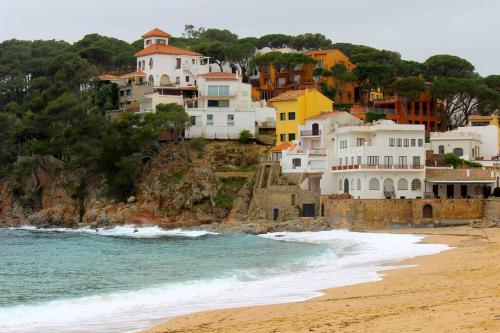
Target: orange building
x,y
274,81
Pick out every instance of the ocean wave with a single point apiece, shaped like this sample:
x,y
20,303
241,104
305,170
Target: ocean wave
x,y
126,231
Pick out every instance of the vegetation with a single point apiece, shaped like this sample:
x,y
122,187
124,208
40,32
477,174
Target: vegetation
x,y
373,116
457,162
245,136
228,190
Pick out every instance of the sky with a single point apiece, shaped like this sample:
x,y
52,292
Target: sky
x,y
416,29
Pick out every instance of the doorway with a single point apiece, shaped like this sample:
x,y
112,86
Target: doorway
x,y
435,190
427,212
346,186
308,210
463,191
276,214
450,191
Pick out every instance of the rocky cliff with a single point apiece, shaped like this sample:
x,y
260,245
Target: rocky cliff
x,y
178,187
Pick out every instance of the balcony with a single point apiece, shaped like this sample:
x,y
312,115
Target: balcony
x,y
310,133
377,167
230,93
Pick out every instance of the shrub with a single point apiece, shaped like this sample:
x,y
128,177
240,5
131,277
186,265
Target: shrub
x,y
245,136
197,144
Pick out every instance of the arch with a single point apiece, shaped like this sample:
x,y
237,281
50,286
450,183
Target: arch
x,y
138,66
353,185
315,129
374,184
402,184
346,185
340,185
416,185
388,184
151,79
143,64
441,150
165,80
150,63
458,152
359,184
427,212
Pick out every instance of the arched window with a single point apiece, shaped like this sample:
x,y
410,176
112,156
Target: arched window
x,y
441,150
315,129
143,65
138,66
374,184
359,184
150,63
151,79
402,184
340,184
388,184
416,185
353,186
458,152
346,185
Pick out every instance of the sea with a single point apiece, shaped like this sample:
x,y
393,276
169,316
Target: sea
x,y
126,279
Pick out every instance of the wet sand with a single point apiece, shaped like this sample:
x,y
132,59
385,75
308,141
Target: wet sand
x,y
454,291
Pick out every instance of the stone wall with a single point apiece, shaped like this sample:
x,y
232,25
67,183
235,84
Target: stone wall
x,y
383,213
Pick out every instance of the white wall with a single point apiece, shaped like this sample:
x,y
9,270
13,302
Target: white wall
x,y
265,114
469,143
243,120
149,102
489,137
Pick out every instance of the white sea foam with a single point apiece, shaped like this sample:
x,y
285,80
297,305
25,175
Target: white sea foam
x,y
355,258
127,231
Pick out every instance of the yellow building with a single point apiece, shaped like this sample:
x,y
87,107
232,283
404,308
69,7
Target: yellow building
x,y
293,107
478,120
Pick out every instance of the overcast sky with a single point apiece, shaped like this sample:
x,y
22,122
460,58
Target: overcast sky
x,y
416,29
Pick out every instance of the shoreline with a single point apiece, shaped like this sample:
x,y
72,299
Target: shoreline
x,y
458,289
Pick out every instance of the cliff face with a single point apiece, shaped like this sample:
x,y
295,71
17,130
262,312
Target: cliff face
x,y
177,188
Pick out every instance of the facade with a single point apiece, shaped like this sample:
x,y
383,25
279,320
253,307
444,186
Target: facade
x,y
424,111
460,144
275,81
293,108
376,161
448,183
148,102
223,107
489,129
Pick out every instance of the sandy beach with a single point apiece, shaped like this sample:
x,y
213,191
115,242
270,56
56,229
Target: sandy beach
x,y
454,291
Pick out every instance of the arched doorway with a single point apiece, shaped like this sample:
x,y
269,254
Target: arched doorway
x,y
346,185
315,129
427,212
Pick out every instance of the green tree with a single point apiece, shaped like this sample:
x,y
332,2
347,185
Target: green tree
x,y
445,65
241,54
408,90
370,117
245,136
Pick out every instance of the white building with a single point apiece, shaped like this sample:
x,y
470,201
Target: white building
x,y
461,144
224,107
148,102
489,148
376,161
168,67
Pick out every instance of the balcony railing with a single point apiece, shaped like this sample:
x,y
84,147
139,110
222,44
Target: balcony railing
x,y
310,133
377,166
230,93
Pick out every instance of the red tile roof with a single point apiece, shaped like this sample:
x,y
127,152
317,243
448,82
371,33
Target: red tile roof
x,y
282,146
140,73
325,115
290,95
156,33
220,76
108,77
164,49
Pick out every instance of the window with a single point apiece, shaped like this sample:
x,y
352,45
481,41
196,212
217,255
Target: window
x,y
282,137
187,78
282,116
416,185
388,161
178,63
138,65
230,120
293,200
402,184
406,142
210,119
341,183
291,136
391,142
416,161
177,80
458,152
352,160
151,79
297,67
413,142
214,103
148,42
193,120
281,81
296,162
372,160
420,142
424,108
340,161
150,63
143,64
291,115
319,64
403,161
193,61
417,108
399,142
358,183
360,142
374,184
359,160
218,90
343,144
353,187
346,160
160,41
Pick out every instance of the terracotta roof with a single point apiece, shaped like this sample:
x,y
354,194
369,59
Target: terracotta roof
x,y
479,117
140,73
457,175
282,146
315,52
220,76
164,49
326,115
108,77
290,95
156,33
